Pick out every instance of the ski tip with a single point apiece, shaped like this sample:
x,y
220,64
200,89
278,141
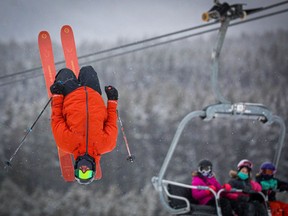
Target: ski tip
x,y
43,35
66,29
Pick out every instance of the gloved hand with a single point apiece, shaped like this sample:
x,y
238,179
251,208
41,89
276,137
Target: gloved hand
x,y
227,187
111,92
57,88
211,187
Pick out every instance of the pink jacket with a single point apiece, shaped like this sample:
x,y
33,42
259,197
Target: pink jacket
x,y
203,196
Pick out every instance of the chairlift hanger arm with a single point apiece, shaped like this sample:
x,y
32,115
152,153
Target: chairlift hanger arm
x,y
243,110
223,13
215,61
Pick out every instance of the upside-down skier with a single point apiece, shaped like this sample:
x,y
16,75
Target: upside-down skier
x,y
81,123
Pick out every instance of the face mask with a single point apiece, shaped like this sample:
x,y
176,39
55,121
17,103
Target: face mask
x,y
267,177
205,171
243,176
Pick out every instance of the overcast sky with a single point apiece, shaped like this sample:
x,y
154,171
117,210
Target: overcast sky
x,y
108,20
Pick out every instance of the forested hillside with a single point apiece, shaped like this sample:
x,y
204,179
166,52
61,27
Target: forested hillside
x,y
157,88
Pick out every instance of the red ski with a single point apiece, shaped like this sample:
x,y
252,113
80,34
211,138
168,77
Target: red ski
x,y
48,65
69,49
70,53
47,59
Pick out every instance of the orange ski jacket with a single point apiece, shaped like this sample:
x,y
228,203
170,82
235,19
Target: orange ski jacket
x,y
81,119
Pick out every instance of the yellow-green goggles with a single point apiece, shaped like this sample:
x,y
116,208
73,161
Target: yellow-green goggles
x,y
84,175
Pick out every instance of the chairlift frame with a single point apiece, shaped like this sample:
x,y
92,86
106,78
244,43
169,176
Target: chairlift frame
x,y
223,109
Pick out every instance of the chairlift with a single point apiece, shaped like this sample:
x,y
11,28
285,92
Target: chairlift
x,y
176,197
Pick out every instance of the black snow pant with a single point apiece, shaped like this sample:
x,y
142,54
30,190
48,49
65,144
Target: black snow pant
x,y
243,208
260,208
226,208
87,77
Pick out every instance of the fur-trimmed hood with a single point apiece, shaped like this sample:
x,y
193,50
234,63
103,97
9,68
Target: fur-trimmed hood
x,y
233,173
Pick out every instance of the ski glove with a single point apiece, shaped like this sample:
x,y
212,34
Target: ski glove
x,y
211,187
57,88
227,187
111,92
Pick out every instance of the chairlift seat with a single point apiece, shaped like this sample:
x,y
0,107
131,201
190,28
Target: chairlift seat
x,y
195,208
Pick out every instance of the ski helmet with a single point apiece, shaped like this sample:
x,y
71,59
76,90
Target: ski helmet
x,y
205,167
267,168
84,169
245,163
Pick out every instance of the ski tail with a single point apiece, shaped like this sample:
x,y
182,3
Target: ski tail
x,y
49,70
98,174
66,165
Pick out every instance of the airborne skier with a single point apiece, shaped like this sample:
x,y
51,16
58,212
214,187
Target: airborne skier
x,y
80,121
82,125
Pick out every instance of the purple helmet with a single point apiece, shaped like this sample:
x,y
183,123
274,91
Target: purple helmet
x,y
268,166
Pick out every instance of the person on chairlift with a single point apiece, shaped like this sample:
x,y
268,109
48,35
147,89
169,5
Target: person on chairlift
x,y
204,176
245,203
270,186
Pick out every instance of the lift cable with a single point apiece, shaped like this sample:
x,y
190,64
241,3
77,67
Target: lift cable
x,y
114,48
139,49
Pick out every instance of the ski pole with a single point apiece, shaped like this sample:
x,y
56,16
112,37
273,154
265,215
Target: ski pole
x,y
130,157
8,162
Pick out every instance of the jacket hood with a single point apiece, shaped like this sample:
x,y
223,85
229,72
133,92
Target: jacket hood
x,y
233,173
195,173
